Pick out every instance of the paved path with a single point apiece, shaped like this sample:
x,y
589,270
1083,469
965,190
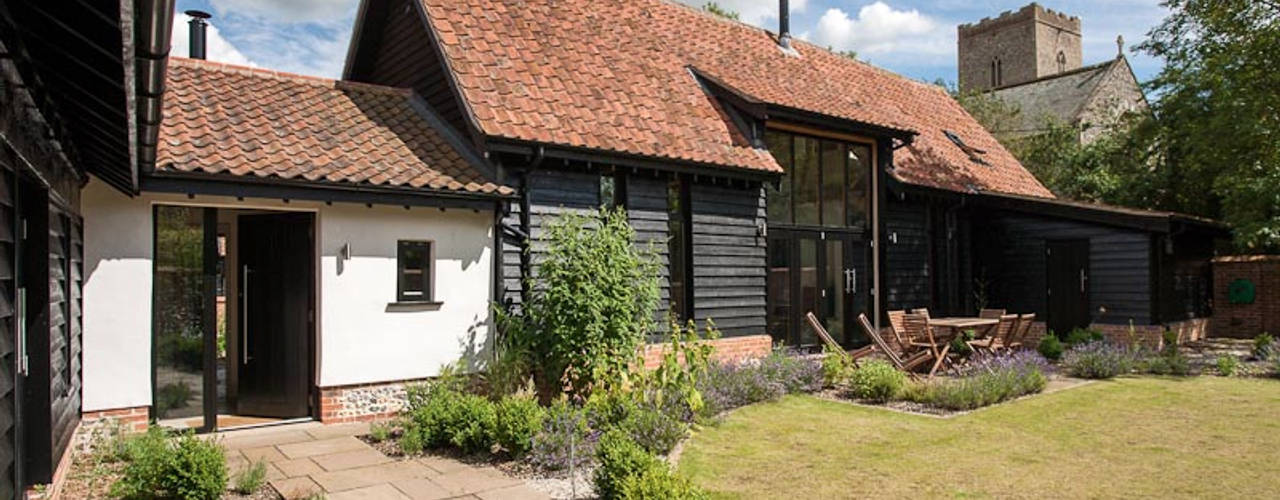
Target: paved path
x,y
308,459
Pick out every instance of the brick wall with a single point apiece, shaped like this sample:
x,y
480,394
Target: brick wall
x,y
1150,336
133,419
363,402
727,349
1246,320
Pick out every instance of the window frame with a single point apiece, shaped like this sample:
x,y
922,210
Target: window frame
x,y
849,141
428,295
681,306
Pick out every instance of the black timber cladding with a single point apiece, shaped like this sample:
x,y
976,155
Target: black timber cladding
x,y
728,249
906,275
1010,258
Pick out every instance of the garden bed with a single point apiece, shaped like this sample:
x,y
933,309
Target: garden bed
x,y
1056,383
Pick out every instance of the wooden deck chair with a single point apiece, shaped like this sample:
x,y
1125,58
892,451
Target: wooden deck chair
x,y
830,341
898,327
905,362
1019,333
919,335
998,338
990,314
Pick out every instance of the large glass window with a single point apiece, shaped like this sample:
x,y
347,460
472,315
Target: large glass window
x,y
827,182
680,248
184,282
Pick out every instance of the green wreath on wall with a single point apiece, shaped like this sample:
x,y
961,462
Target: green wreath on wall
x,y
1241,291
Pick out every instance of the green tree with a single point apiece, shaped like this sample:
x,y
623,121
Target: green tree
x,y
1217,112
716,9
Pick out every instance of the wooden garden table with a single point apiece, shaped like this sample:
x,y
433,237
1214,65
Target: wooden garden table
x,y
957,323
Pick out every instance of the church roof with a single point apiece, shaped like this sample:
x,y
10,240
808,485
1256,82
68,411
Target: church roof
x,y
1059,97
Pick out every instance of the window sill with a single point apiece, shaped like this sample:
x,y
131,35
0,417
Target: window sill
x,y
414,305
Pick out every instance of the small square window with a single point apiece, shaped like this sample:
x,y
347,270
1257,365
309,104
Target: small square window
x,y
413,268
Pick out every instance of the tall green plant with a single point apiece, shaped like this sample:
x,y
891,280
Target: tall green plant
x,y
591,304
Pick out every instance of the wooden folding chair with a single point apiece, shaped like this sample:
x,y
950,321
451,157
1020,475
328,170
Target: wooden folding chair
x,y
903,361
919,333
990,314
898,327
1019,333
854,355
998,337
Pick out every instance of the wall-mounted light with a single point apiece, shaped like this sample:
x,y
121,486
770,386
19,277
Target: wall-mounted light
x,y
345,252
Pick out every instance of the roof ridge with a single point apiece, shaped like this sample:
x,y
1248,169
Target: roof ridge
x,y
286,76
1082,69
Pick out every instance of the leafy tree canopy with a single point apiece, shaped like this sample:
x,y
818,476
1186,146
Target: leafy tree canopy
x,y
716,9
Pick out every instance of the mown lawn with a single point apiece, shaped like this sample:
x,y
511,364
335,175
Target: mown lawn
x,y
1130,437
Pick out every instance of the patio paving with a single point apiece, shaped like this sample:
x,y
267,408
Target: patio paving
x,y
304,460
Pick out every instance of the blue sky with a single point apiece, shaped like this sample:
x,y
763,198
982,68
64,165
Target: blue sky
x,y
916,38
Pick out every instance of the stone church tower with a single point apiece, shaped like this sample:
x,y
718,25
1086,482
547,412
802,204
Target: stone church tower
x,y
1017,47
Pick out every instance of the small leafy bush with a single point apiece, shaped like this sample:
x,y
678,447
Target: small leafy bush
x,y
986,380
410,443
658,482
619,458
795,374
1050,347
1228,365
518,420
1083,336
251,478
379,431
565,439
186,467
1098,360
440,415
960,344
1166,363
836,367
877,380
1264,345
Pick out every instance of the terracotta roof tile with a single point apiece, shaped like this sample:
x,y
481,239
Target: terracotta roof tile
x,y
615,75
224,119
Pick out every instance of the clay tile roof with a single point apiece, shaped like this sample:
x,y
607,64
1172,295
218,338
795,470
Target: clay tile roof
x,y
232,120
617,75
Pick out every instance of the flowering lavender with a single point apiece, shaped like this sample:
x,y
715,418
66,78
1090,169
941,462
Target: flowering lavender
x,y
986,380
730,385
1098,360
566,439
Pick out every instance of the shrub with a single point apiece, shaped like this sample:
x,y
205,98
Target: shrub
x,y
1227,365
1050,347
379,431
732,385
658,482
1166,362
657,430
794,373
410,442
251,478
442,416
960,344
591,305
1098,360
185,467
836,367
565,438
518,420
986,380
1083,336
619,458
1263,346
877,380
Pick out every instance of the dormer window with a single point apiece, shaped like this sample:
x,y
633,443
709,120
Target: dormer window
x,y
975,154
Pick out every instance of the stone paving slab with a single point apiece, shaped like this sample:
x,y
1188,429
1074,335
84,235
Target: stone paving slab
x,y
296,487
238,441
323,447
422,489
263,453
298,467
518,492
368,476
339,430
475,480
350,459
382,491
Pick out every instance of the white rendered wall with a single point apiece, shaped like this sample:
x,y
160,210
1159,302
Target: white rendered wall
x,y
362,336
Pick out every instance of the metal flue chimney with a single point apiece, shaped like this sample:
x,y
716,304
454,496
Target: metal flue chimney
x,y
197,26
784,24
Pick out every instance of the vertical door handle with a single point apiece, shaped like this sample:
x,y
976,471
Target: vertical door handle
x,y
24,365
854,273
1082,278
244,312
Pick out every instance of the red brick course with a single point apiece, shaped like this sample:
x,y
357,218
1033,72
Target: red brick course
x,y
134,419
727,349
1246,320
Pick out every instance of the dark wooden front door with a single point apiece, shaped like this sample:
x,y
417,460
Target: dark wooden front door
x,y
1068,284
274,361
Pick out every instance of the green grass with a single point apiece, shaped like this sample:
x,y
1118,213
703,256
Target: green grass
x,y
1129,437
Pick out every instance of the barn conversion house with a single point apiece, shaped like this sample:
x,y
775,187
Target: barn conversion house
x,y
277,247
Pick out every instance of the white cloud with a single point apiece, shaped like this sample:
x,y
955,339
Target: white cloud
x,y
880,30
286,10
217,48
755,12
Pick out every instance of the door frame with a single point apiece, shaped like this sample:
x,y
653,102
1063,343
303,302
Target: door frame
x,y
313,329
792,236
